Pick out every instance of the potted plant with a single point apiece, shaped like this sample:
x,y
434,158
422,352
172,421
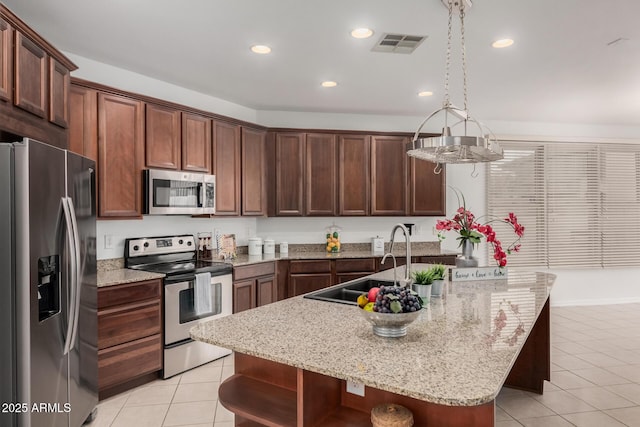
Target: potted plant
x,y
437,272
422,282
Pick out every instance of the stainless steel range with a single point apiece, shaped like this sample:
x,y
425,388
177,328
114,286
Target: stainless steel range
x,y
186,303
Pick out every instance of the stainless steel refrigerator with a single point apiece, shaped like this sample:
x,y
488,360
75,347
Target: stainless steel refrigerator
x,y
48,294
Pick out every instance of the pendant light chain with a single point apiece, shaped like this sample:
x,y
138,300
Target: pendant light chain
x,y
464,55
447,100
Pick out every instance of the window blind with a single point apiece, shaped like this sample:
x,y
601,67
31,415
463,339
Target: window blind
x,y
579,202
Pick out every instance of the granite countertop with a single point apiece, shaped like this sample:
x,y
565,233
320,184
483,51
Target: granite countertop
x,y
451,354
124,275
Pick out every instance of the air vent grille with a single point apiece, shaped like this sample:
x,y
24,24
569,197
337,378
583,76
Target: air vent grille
x,y
398,43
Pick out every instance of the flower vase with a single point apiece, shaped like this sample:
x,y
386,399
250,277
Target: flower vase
x,y
466,259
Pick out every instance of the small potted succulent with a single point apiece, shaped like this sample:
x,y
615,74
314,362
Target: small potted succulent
x,y
422,282
437,273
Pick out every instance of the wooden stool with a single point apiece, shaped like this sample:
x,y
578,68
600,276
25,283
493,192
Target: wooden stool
x,y
391,415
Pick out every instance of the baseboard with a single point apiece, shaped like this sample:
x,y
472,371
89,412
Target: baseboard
x,y
593,301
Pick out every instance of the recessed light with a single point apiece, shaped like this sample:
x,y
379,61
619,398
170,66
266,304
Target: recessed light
x,y
261,49
329,83
362,33
499,44
425,93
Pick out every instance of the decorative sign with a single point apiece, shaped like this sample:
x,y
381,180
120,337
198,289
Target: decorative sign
x,y
227,246
473,274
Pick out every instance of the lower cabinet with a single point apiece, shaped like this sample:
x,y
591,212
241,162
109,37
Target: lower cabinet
x,y
309,275
350,269
254,285
129,332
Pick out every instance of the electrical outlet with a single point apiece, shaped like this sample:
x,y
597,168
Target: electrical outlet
x,y
355,388
108,241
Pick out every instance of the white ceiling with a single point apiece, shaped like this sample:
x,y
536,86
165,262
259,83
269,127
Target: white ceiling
x,y
560,68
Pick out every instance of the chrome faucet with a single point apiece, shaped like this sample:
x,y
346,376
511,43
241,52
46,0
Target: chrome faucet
x,y
407,276
395,266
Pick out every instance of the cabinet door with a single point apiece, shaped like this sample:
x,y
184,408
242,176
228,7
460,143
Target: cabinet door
x,y
121,156
83,122
226,143
6,60
354,179
59,80
320,174
426,189
388,175
196,143
266,291
289,174
254,173
244,295
303,283
30,76
163,135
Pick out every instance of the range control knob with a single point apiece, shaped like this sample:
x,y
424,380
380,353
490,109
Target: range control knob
x,y
180,241
146,244
136,247
189,243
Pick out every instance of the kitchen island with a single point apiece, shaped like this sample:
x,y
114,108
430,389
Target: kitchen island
x,y
294,357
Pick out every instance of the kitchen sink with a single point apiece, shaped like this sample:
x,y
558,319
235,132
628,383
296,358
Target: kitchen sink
x,y
347,293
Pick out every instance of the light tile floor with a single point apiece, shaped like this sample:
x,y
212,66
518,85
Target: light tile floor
x,y
595,382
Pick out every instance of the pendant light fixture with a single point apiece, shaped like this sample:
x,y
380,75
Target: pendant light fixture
x,y
474,141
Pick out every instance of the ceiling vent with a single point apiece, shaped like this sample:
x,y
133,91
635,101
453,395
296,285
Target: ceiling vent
x,y
398,43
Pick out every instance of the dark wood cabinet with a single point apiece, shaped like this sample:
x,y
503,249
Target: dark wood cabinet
x,y
388,175
254,172
254,286
30,76
354,178
83,121
120,156
59,81
427,189
308,276
196,143
320,175
354,268
6,61
129,333
163,137
289,185
226,154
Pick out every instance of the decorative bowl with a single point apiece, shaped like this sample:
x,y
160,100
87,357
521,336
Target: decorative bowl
x,y
390,325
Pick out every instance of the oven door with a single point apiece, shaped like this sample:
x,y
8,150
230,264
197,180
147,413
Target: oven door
x,y
179,308
179,193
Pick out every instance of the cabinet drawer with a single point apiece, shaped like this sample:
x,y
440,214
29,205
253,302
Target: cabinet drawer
x,y
303,283
317,266
129,322
127,361
359,264
128,293
255,270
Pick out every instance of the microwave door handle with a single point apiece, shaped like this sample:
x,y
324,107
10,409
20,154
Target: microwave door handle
x,y
203,185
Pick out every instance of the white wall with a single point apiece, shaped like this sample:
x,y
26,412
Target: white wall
x,y
595,286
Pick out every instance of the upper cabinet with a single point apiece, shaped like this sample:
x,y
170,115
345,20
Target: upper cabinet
x,y
226,143
6,61
289,174
196,143
30,76
163,137
34,83
320,175
388,175
83,121
121,156
254,172
354,182
427,189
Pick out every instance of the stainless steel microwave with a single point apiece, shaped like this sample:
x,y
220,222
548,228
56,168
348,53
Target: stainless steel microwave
x,y
179,193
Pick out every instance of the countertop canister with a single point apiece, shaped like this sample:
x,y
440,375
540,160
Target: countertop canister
x,y
255,246
269,246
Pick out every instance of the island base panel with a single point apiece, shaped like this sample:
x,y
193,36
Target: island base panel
x,y
533,365
265,393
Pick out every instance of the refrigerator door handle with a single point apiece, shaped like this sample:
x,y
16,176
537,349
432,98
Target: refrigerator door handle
x,y
73,261
78,273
